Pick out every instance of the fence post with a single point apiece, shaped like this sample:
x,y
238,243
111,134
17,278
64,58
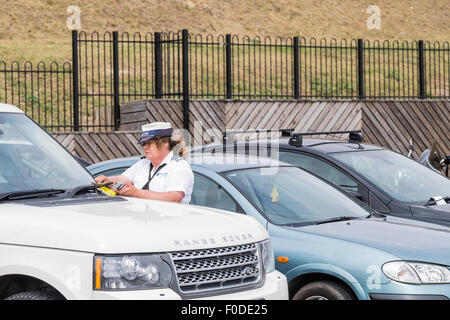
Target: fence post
x,y
185,49
228,71
116,80
158,66
296,70
361,93
421,65
75,95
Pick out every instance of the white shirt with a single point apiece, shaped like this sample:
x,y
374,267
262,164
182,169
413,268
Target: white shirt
x,y
176,175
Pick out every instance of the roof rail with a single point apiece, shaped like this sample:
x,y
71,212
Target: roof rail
x,y
296,139
226,139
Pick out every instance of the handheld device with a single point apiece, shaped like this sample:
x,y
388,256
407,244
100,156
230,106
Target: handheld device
x,y
119,185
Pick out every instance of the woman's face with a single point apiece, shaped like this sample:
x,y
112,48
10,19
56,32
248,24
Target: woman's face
x,y
152,152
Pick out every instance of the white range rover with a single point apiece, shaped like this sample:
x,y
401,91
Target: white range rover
x,y
61,239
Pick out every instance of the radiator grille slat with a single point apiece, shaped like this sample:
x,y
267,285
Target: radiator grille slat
x,y
217,269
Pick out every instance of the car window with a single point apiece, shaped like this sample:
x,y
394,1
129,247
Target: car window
x,y
209,194
320,168
401,177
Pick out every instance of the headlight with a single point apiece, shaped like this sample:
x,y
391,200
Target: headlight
x,y
267,255
130,272
416,272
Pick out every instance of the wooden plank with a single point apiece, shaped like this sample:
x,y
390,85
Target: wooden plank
x,y
83,148
255,118
411,123
131,107
116,147
380,128
133,142
277,120
299,110
106,150
270,110
107,142
320,118
287,108
130,150
213,111
244,113
389,131
203,113
355,114
67,139
388,111
435,117
444,106
330,115
314,111
91,141
429,123
172,111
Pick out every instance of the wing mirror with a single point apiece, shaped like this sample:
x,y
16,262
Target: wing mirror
x,y
355,194
411,148
433,159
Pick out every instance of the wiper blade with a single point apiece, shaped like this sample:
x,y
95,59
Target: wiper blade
x,y
87,187
336,219
36,193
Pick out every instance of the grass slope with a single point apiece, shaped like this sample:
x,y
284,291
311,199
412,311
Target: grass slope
x,y
36,30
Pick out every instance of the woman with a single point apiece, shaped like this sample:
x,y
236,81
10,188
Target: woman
x,y
163,174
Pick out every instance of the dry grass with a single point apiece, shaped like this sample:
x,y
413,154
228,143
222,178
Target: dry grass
x,y
37,30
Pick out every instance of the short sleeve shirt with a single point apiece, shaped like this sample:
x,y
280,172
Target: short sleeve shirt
x,y
176,175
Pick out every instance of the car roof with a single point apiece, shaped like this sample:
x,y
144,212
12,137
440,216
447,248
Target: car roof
x,y
330,146
216,163
321,145
108,163
4,107
226,162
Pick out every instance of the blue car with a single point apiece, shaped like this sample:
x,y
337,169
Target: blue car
x,y
327,243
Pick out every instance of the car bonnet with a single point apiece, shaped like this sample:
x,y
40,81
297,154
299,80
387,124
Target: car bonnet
x,y
406,239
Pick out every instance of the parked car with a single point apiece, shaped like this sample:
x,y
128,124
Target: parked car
x,y
387,181
327,243
61,239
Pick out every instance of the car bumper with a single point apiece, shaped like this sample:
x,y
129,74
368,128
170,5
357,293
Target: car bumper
x,y
274,288
402,291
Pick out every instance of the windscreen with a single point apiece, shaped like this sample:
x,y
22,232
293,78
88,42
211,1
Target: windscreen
x,y
31,160
402,178
293,196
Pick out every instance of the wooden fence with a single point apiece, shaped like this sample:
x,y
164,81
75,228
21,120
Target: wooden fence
x,y
386,123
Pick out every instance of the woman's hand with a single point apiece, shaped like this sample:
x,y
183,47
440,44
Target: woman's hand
x,y
102,179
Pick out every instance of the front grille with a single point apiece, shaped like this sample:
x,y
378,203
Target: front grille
x,y
217,269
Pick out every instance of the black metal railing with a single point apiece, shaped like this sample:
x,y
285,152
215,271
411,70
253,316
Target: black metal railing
x,y
43,91
112,68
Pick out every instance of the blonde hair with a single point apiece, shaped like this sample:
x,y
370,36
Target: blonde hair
x,y
176,144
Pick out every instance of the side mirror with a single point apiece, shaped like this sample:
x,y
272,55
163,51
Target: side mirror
x,y
446,163
355,194
411,148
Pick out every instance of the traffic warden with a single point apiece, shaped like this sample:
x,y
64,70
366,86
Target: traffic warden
x,y
163,174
